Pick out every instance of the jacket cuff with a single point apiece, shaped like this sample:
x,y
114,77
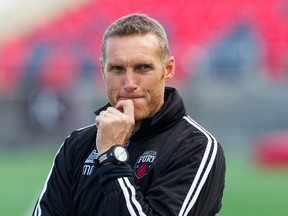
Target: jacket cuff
x,y
113,171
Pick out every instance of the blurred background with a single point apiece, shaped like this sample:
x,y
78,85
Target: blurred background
x,y
232,70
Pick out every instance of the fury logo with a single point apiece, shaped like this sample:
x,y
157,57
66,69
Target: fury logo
x,y
146,158
144,163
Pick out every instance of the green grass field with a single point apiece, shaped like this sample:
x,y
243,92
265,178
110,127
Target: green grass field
x,y
250,190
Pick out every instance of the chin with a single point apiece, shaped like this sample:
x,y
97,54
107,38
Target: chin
x,y
140,116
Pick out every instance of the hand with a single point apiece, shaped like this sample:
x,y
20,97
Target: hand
x,y
115,125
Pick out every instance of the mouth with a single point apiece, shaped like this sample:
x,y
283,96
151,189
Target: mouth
x,y
133,98
129,97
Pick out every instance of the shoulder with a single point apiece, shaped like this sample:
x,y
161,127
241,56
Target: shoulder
x,y
80,140
83,132
196,146
192,130
194,137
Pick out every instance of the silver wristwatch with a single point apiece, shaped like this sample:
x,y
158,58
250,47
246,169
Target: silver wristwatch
x,y
117,154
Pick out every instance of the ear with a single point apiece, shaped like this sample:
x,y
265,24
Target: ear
x,y
170,68
101,67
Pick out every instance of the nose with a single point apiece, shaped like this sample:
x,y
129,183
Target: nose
x,y
130,81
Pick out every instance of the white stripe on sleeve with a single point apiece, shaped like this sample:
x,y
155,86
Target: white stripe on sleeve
x,y
199,181
133,196
127,197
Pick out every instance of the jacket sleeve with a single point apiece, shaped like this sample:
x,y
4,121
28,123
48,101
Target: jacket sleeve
x,y
55,197
192,183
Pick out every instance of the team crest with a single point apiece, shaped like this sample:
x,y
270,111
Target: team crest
x,y
144,163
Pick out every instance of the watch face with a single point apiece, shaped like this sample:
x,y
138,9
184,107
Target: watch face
x,y
121,154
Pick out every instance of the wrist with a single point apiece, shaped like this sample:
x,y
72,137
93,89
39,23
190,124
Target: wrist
x,y
115,155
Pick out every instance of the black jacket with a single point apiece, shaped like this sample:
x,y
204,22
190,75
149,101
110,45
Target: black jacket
x,y
175,167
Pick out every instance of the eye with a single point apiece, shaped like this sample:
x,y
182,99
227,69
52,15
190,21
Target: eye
x,y
116,68
143,67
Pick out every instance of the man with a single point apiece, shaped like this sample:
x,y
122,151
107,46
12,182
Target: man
x,y
144,155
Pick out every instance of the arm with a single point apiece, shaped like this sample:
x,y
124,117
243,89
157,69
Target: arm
x,y
184,187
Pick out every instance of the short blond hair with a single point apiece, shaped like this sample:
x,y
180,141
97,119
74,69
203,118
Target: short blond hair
x,y
137,24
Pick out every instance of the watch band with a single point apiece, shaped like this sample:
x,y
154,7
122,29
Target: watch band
x,y
110,156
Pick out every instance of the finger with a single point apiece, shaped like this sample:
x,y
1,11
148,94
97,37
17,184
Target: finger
x,y
97,121
127,106
103,113
106,113
112,110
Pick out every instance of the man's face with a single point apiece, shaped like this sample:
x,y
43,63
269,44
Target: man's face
x,y
134,69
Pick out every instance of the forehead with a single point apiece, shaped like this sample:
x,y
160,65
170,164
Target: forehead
x,y
132,47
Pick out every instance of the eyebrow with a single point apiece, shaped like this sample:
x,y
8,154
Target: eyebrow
x,y
133,64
